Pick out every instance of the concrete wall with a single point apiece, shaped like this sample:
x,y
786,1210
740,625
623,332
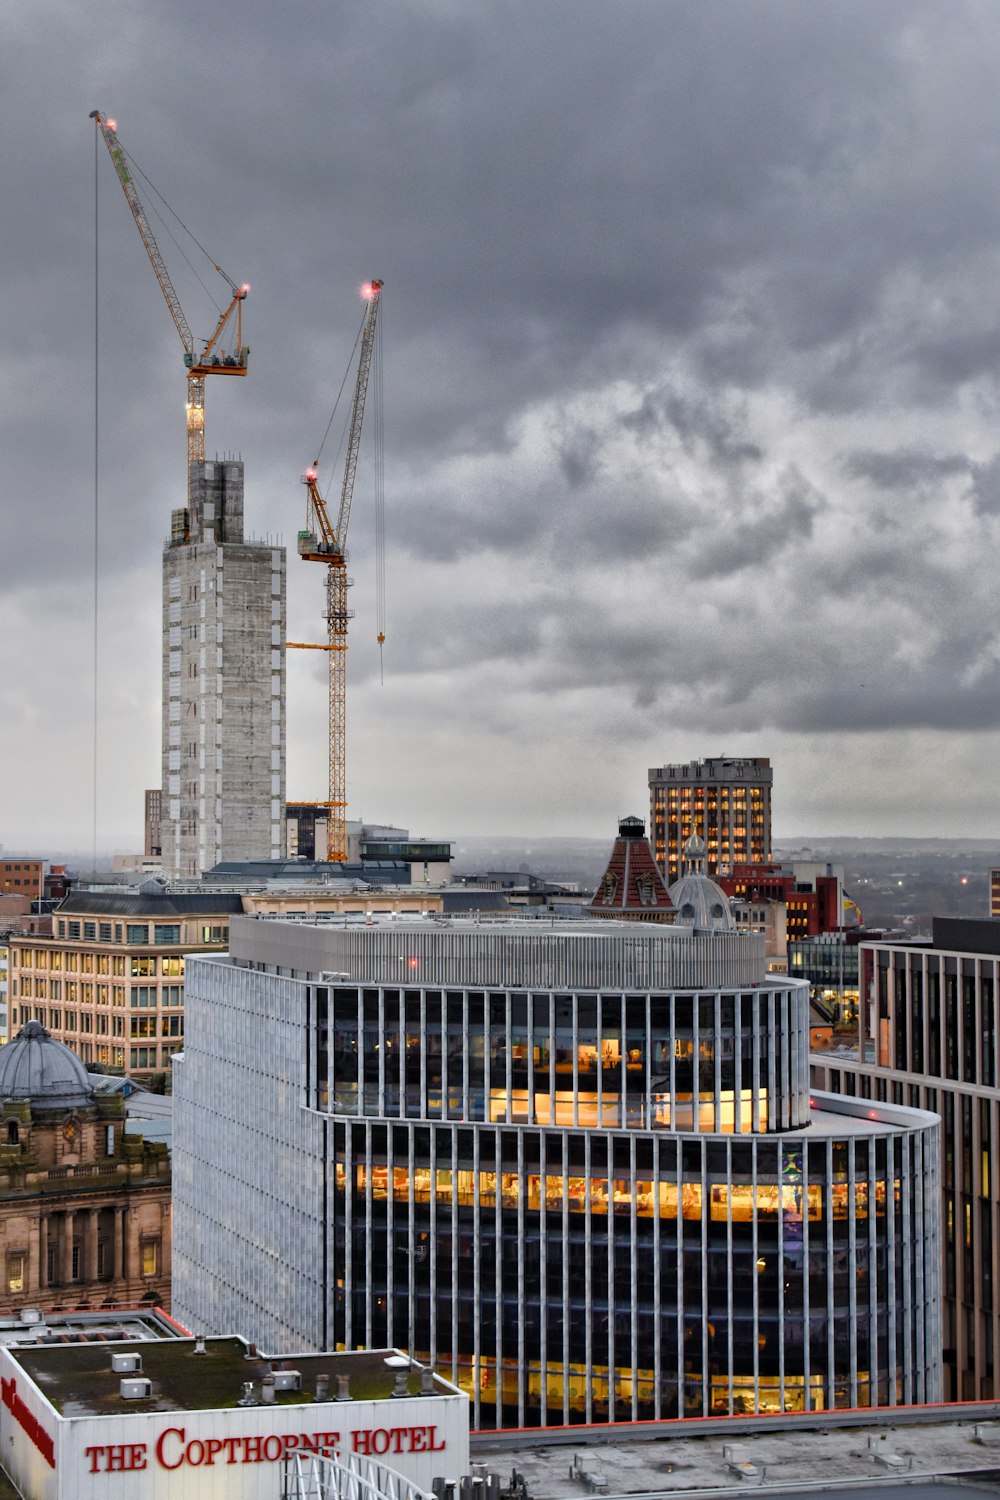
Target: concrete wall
x,y
223,685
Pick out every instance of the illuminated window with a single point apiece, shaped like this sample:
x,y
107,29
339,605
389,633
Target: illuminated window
x,y
150,1257
17,1265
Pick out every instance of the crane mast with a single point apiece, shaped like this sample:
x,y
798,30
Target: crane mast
x,y
199,363
322,542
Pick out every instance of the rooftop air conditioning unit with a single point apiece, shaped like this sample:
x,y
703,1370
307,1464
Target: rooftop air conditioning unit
x,y
287,1380
136,1389
126,1364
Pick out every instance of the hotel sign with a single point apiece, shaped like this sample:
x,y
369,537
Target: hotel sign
x,y
174,1449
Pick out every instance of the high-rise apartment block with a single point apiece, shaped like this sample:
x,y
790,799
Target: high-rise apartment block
x,y
223,682
577,1167
725,802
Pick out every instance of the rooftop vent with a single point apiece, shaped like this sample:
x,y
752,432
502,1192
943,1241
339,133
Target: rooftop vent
x,y
29,1316
136,1389
126,1364
287,1380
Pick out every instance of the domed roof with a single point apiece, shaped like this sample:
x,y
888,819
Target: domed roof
x,y
699,901
36,1067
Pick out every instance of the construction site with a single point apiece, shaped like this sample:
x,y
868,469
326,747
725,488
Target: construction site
x,y
223,798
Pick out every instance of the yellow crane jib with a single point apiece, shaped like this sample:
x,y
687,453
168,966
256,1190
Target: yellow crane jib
x,y
211,358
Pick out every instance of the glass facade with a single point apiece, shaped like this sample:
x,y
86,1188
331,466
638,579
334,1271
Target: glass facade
x,y
584,1205
714,1062
927,1036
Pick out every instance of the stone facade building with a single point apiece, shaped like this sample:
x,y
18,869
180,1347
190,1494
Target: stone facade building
x,y
84,1208
109,981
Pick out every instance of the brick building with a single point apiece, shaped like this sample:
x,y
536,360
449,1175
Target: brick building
x,y
22,877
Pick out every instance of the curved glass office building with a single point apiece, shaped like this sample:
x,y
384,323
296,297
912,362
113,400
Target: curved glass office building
x,y
577,1166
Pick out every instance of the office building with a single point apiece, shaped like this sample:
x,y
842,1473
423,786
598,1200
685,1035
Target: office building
x,y
724,801
84,1208
373,845
927,1036
223,683
575,1165
109,981
830,965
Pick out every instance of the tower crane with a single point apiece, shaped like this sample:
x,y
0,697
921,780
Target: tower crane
x,y
326,543
211,358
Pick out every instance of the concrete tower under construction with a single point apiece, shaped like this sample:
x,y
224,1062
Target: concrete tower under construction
x,y
223,682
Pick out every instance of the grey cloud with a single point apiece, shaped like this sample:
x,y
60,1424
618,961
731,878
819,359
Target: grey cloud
x,y
747,218
761,528
986,486
904,468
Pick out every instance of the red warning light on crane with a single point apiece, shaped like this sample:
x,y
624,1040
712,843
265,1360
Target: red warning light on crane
x,y
369,289
112,124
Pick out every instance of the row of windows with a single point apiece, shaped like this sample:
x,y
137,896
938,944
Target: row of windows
x,y
141,996
164,933
17,1263
117,1056
55,961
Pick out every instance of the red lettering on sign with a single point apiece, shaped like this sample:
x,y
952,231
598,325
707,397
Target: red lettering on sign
x,y
252,1450
177,1432
27,1419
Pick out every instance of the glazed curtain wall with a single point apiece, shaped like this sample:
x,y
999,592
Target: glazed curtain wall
x,y
717,1062
565,1276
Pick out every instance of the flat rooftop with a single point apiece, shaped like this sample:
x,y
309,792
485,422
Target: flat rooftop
x,y
80,1382
36,1330
814,1458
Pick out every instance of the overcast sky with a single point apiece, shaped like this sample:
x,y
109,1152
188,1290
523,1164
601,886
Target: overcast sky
x,y
691,333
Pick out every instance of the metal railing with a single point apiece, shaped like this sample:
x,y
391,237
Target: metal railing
x,y
313,1476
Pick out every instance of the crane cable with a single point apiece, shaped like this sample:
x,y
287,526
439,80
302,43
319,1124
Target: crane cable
x,y
336,403
190,233
97,366
379,452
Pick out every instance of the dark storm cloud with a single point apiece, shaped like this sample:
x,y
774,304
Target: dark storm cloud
x,y
905,468
986,486
690,324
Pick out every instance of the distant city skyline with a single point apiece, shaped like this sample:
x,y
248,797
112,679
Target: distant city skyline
x,y
691,339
